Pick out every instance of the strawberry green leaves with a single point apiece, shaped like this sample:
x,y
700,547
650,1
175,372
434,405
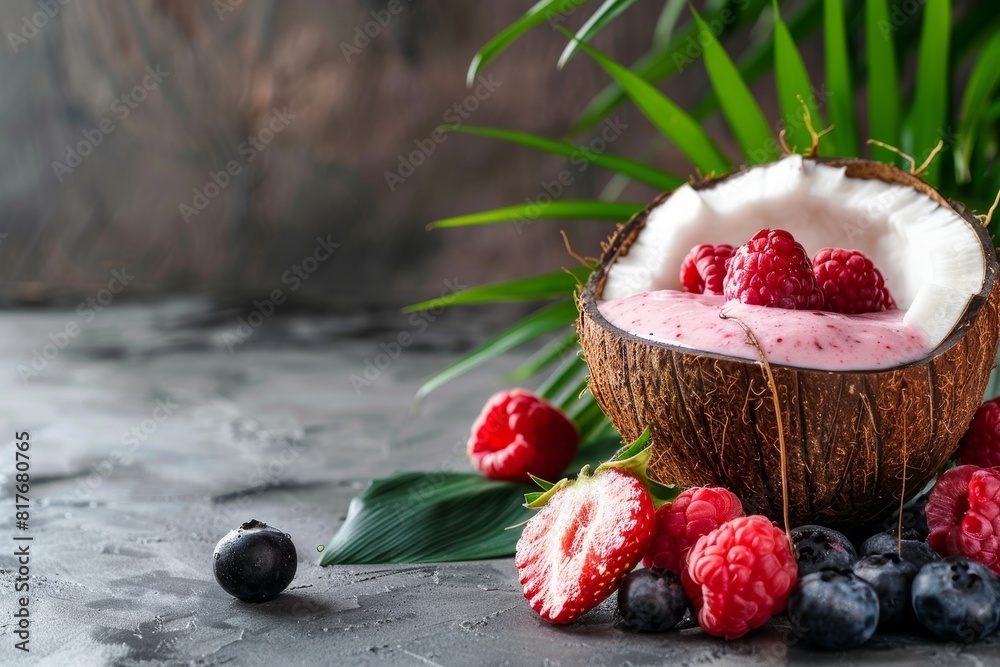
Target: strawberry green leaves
x,y
633,459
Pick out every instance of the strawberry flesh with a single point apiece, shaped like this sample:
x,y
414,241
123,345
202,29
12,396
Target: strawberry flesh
x,y
578,548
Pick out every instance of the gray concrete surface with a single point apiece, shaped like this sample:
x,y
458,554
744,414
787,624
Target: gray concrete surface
x,y
121,555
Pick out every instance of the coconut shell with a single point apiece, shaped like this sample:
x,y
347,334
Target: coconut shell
x,y
851,437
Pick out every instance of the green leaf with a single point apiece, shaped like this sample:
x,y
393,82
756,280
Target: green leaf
x,y
993,113
993,388
666,59
548,319
558,348
580,155
840,93
545,485
983,82
633,449
883,80
429,517
931,92
605,14
666,116
792,81
665,25
536,288
553,11
527,213
738,104
435,517
758,60
560,384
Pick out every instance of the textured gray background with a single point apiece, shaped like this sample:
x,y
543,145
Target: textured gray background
x,y
121,558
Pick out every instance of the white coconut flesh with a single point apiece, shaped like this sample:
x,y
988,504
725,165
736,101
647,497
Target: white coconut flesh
x,y
931,258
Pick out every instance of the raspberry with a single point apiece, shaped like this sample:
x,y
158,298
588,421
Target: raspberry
x,y
519,433
704,268
740,575
679,524
850,282
963,513
772,269
980,446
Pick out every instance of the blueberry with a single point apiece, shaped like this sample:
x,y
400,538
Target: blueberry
x,y
916,551
892,579
834,609
957,599
255,562
818,548
651,600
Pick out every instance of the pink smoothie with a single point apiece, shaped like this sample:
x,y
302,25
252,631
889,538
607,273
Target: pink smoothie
x,y
803,338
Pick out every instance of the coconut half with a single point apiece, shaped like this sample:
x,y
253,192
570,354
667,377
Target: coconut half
x,y
849,434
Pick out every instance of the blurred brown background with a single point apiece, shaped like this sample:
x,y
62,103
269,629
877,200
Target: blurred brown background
x,y
116,115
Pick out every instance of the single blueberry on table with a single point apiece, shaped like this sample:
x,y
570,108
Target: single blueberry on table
x,y
892,579
255,562
652,600
833,609
957,599
818,548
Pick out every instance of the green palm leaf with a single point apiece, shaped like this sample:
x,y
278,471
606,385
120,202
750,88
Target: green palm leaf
x,y
605,14
527,213
883,80
663,61
559,348
546,320
666,116
580,156
545,10
555,388
738,104
536,288
668,20
840,93
983,82
930,103
793,84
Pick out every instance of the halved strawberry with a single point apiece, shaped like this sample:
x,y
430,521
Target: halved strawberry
x,y
589,534
578,548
